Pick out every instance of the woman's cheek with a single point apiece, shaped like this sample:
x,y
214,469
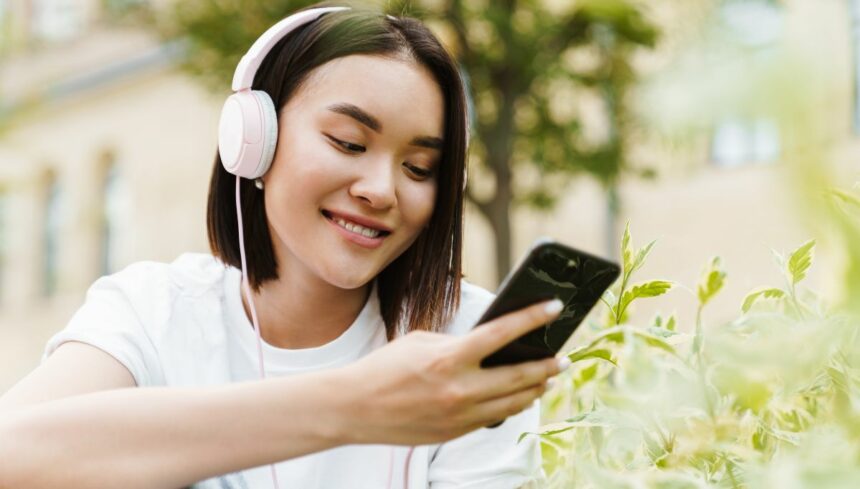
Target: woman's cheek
x,y
421,202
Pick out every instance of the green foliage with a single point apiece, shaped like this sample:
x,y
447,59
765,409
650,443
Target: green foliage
x,y
712,281
849,199
217,33
794,269
653,288
799,262
619,298
669,324
764,292
769,399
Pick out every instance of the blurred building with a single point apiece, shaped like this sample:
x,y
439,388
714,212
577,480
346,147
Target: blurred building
x,y
106,150
105,155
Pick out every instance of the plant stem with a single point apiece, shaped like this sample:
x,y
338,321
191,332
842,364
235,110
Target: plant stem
x,y
795,302
620,296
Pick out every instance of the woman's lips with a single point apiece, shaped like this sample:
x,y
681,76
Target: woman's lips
x,y
363,236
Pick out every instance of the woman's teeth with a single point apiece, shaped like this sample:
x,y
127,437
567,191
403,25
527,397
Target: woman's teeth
x,y
355,228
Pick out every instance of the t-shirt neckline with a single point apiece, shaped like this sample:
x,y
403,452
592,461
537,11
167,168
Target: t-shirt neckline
x,y
345,347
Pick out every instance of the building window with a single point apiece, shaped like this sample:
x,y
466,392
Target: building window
x,y
57,20
742,141
752,23
753,26
52,223
115,211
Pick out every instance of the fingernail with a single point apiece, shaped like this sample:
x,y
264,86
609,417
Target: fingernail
x,y
563,364
550,384
554,307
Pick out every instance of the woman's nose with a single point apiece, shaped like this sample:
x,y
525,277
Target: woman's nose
x,y
375,186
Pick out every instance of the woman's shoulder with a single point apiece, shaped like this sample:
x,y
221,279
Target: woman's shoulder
x,y
151,287
187,271
473,302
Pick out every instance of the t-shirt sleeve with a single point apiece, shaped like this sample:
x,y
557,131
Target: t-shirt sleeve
x,y
491,458
112,319
487,458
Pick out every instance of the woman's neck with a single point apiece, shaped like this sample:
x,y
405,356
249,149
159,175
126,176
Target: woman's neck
x,y
297,314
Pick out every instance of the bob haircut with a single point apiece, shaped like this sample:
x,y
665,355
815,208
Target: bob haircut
x,y
420,289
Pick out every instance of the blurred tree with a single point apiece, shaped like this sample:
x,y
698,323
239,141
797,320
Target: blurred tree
x,y
530,64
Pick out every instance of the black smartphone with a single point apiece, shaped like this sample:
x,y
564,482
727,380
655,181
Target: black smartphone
x,y
549,270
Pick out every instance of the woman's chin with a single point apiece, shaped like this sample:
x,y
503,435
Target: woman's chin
x,y
350,281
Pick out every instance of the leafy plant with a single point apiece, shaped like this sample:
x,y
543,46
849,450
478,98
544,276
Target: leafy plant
x,y
620,299
771,399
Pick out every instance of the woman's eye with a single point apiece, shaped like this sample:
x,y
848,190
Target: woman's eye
x,y
347,146
418,171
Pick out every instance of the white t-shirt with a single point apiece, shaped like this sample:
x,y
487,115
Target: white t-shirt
x,y
183,324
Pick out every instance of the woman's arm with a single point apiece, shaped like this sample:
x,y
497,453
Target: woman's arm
x,y
169,437
422,388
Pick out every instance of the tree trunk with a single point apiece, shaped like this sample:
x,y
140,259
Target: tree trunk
x,y
499,215
499,155
498,140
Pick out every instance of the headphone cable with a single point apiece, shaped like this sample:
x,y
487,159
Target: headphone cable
x,y
247,289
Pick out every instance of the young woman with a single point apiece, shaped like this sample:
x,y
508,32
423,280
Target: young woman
x,y
353,309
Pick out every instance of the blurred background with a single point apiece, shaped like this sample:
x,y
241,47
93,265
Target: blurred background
x,y
681,118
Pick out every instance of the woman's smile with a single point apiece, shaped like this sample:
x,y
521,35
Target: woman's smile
x,y
361,231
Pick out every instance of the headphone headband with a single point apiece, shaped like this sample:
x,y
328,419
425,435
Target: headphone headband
x,y
243,77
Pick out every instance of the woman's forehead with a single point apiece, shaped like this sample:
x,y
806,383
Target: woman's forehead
x,y
400,91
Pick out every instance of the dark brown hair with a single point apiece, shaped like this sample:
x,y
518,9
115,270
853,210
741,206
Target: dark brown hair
x,y
420,289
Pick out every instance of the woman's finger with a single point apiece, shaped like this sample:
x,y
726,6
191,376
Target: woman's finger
x,y
494,411
504,380
489,337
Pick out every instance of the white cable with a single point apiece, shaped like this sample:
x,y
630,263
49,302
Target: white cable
x,y
247,289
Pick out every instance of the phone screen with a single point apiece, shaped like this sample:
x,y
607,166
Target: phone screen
x,y
550,270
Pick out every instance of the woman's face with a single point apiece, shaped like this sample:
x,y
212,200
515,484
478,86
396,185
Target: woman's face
x,y
353,182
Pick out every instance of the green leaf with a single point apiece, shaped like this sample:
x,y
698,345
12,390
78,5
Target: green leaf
x,y
580,355
626,252
653,288
760,439
641,255
605,418
549,432
846,197
671,323
654,341
617,335
764,292
586,375
661,332
799,261
712,281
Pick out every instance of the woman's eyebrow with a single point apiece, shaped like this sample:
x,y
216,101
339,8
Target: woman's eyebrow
x,y
373,123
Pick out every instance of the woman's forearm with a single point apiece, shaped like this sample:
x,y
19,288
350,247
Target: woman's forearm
x,y
170,437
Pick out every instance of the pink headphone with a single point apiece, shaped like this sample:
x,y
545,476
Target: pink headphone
x,y
247,136
248,130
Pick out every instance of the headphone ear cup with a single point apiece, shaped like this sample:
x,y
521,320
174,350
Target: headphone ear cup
x,y
270,132
247,133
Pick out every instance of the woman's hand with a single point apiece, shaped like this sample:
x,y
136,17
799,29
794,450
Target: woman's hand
x,y
428,387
